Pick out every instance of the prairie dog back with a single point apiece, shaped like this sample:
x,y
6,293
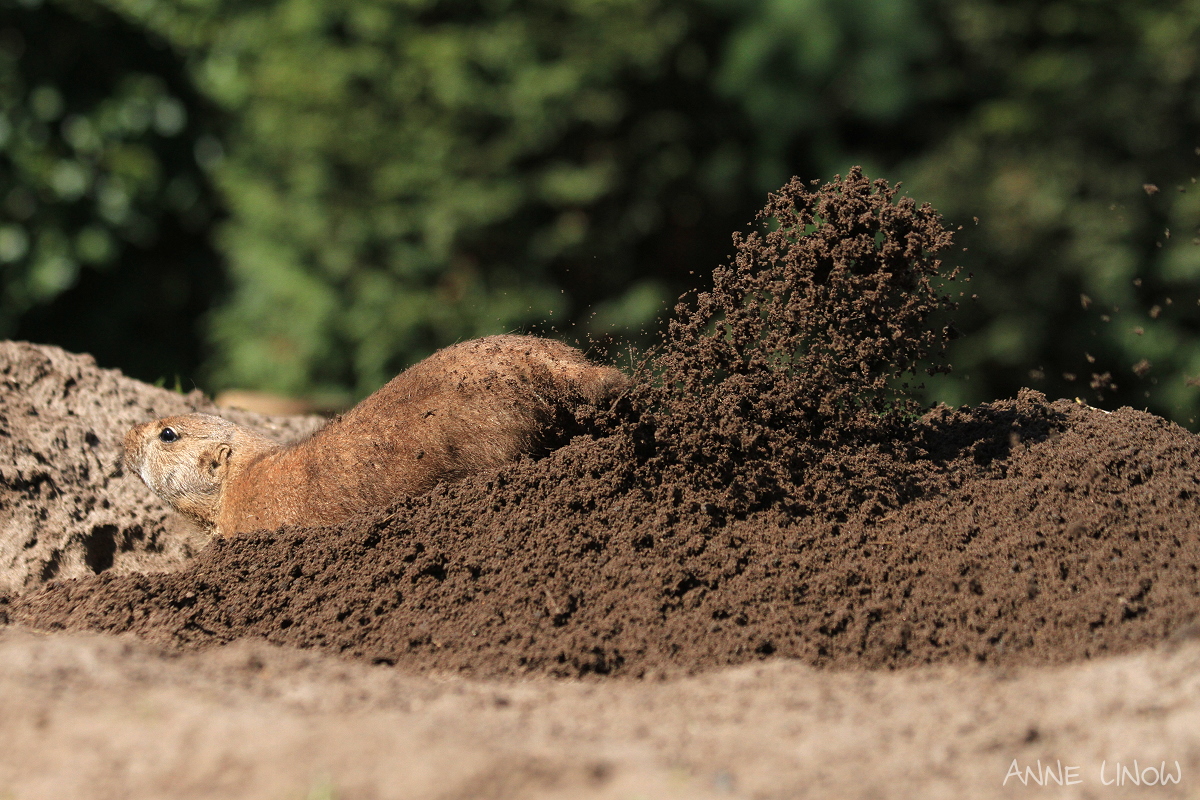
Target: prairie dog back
x,y
468,407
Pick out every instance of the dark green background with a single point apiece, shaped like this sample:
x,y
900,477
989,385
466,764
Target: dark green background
x,y
307,195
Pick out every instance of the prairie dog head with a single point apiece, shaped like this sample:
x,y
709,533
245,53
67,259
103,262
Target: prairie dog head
x,y
187,459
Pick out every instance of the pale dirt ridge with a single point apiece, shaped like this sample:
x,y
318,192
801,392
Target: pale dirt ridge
x,y
67,508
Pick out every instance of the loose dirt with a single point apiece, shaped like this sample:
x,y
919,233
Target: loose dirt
x,y
762,573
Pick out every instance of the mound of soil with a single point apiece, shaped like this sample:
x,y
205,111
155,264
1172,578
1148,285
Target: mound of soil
x,y
1046,533
67,509
764,490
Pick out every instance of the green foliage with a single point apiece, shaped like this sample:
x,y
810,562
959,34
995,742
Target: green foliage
x,y
400,174
1068,109
104,209
821,80
404,174
1043,121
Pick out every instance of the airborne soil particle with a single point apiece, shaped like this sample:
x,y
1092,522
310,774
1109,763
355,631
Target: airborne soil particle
x,y
766,490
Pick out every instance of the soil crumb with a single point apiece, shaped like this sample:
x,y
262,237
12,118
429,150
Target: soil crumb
x,y
766,488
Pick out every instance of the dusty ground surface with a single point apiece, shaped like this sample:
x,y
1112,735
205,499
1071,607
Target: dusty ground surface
x,y
761,574
98,716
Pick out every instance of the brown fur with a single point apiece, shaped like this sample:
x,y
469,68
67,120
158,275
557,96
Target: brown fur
x,y
466,408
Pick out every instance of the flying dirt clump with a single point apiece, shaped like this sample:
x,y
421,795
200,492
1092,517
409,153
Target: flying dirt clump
x,y
802,346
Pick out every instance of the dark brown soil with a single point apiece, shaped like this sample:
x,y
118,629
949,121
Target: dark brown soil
x,y
1046,533
764,491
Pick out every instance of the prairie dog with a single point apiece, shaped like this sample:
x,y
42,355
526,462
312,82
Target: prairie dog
x,y
468,407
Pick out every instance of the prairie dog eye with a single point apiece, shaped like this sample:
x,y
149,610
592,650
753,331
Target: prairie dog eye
x,y
168,435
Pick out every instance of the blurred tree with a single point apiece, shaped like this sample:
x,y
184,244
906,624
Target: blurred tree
x,y
1043,120
404,174
103,233
1075,145
823,82
400,174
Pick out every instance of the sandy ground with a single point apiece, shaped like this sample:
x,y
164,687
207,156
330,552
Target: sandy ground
x,y
92,716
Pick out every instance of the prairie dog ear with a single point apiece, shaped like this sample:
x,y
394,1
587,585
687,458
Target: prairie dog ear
x,y
216,461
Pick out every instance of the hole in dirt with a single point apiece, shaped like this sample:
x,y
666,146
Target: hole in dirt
x,y
100,545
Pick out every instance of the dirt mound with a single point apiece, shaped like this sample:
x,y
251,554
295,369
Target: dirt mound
x,y
66,507
1047,533
768,492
